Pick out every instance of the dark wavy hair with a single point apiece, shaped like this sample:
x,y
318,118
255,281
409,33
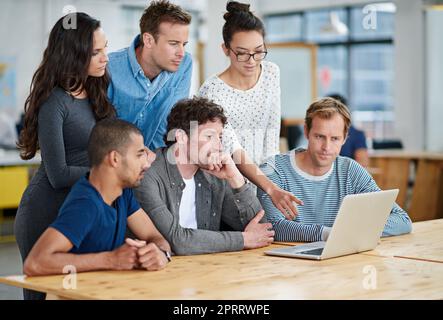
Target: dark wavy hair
x,y
197,109
239,18
65,64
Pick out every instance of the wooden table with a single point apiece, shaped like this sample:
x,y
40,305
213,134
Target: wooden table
x,y
424,243
250,274
394,169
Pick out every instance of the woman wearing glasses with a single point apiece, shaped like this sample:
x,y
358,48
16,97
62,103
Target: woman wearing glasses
x,y
249,92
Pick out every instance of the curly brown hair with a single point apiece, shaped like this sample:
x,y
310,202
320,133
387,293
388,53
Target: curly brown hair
x,y
197,109
161,11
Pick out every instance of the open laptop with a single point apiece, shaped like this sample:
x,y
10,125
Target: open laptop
x,y
357,227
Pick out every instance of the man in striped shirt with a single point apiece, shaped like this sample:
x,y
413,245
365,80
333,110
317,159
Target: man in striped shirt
x,y
321,178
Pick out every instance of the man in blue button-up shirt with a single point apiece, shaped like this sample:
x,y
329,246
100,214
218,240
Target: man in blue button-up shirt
x,y
151,75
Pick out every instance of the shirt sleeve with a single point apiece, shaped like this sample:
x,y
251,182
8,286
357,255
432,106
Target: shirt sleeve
x,y
398,220
285,230
76,220
133,205
240,206
50,138
272,135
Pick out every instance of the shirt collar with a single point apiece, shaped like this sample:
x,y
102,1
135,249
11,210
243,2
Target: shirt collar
x,y
305,174
135,66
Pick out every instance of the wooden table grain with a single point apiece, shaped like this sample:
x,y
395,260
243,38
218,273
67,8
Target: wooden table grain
x,y
251,274
424,243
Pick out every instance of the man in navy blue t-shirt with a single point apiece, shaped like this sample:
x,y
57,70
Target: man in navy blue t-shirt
x,y
89,232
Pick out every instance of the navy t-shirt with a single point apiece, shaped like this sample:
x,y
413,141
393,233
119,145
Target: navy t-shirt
x,y
89,223
356,140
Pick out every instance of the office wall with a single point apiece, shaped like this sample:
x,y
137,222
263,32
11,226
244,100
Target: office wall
x,y
409,99
19,44
215,60
25,27
282,6
434,80
409,57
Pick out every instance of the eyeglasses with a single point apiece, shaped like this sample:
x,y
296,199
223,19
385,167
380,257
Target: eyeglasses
x,y
243,57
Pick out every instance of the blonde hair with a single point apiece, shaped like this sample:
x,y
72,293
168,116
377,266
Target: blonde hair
x,y
325,108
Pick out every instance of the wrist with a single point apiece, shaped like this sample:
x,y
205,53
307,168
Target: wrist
x,y
270,188
245,241
108,261
167,254
237,181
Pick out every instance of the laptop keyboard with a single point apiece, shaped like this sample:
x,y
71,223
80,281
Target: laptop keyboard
x,y
315,252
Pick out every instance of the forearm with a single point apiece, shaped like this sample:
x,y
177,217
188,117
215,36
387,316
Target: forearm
x,y
237,181
398,223
292,231
240,206
59,263
251,171
199,241
161,242
66,176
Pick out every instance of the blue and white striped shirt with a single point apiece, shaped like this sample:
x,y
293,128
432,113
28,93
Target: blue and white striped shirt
x,y
322,197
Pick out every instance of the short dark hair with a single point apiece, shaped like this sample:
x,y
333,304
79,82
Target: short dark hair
x,y
338,97
239,18
197,109
161,11
109,135
324,109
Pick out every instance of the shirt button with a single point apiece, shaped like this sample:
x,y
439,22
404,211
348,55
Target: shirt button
x,y
238,200
199,184
213,214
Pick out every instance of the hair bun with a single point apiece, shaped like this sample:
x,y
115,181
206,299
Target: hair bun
x,y
234,7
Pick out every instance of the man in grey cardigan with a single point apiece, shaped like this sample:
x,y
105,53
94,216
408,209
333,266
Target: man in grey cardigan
x,y
194,193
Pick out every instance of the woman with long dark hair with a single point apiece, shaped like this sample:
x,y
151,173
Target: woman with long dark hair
x,y
68,95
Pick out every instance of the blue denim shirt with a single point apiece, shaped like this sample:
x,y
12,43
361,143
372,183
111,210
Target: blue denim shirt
x,y
144,103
